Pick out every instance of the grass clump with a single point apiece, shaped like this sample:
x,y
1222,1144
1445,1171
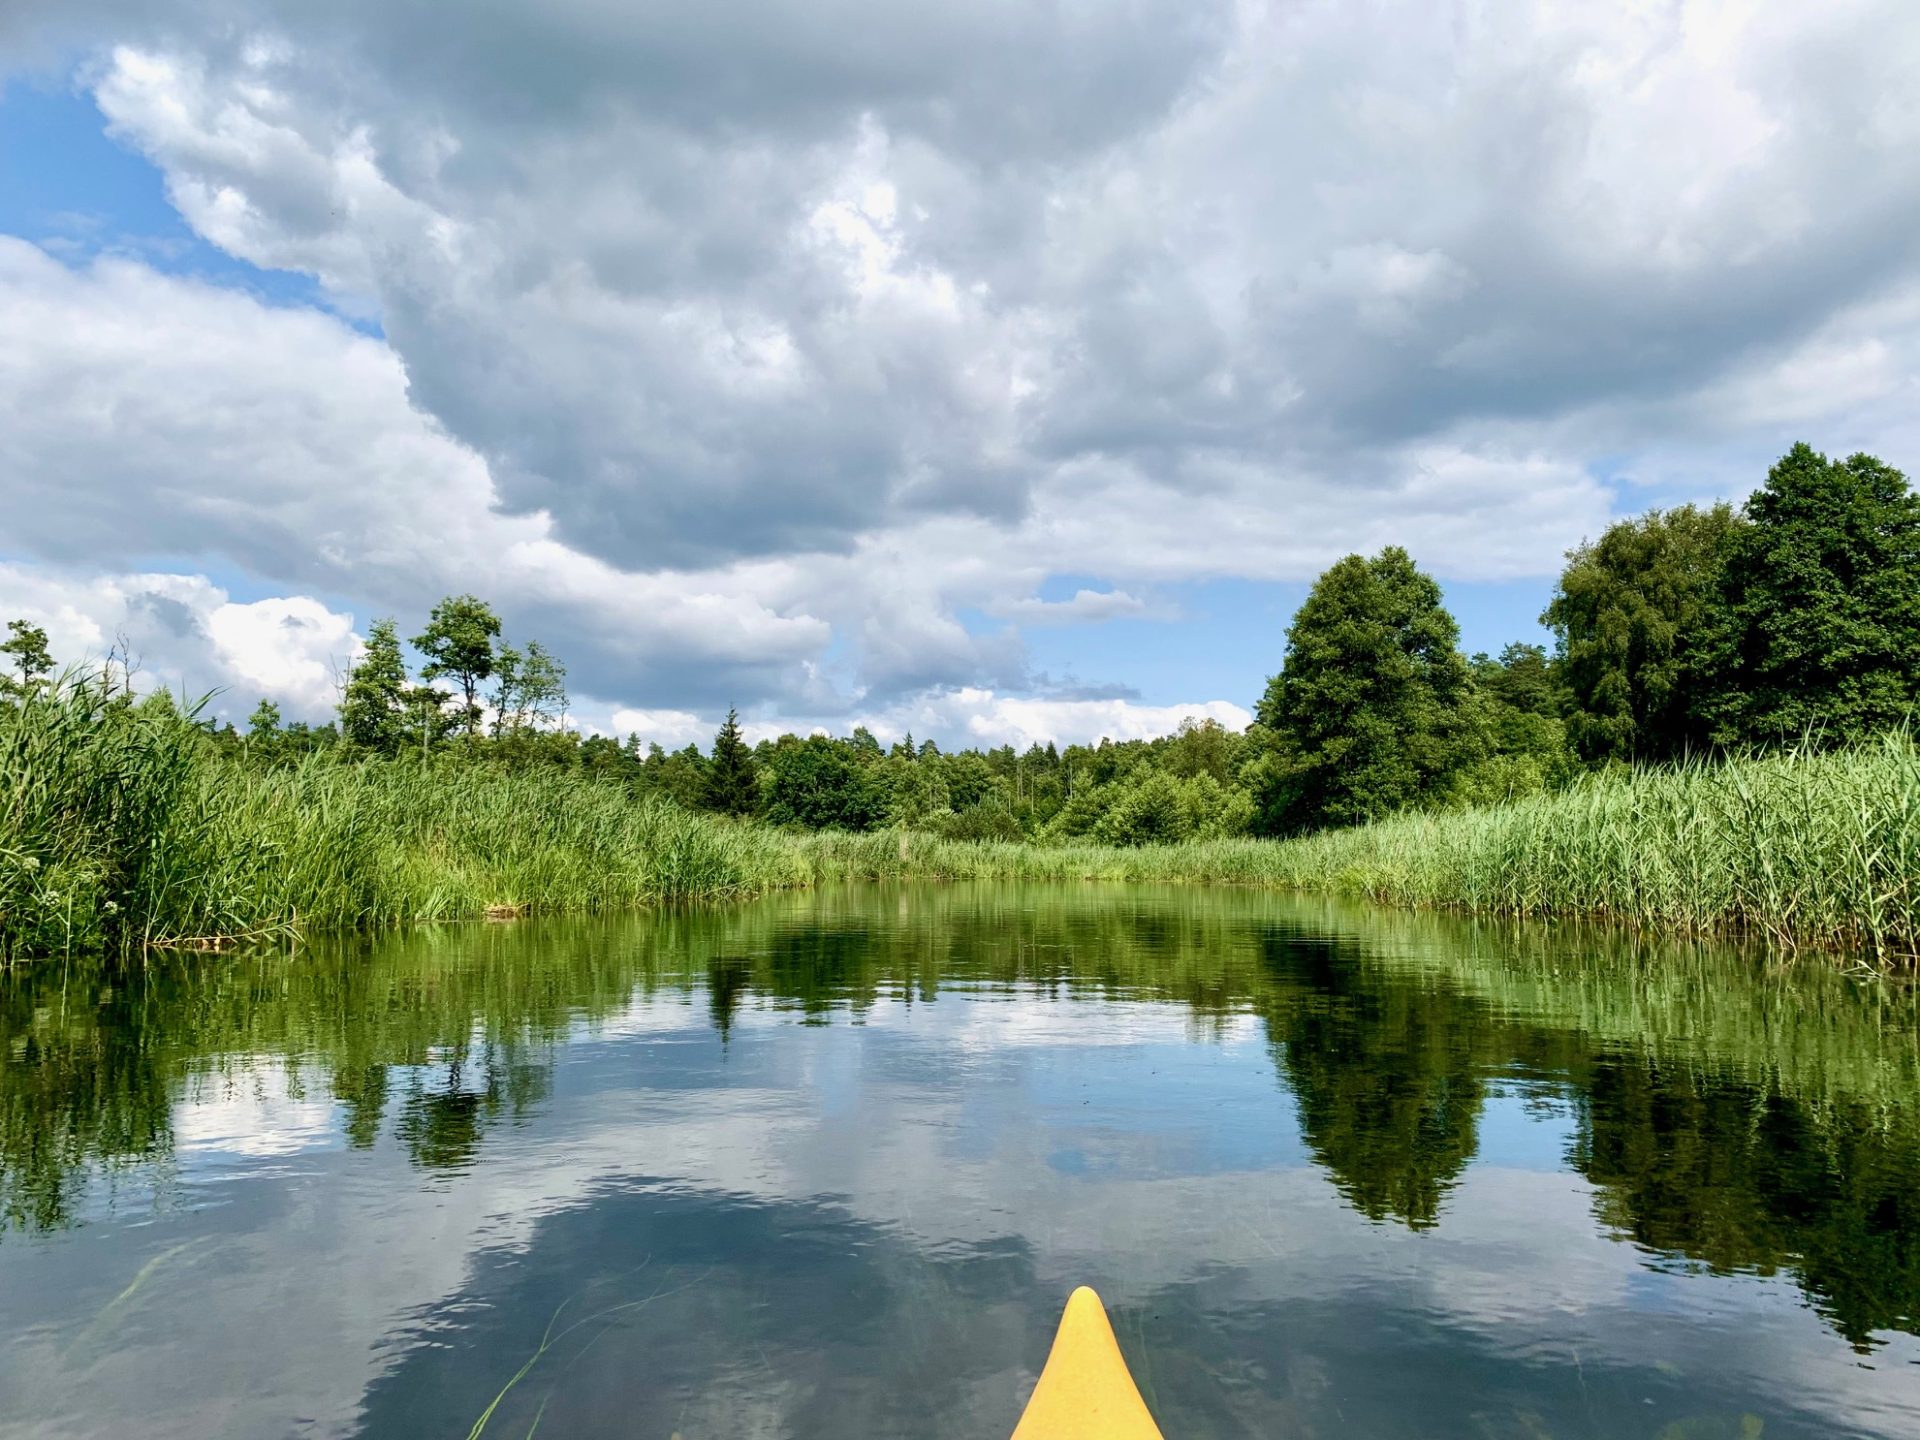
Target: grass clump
x,y
121,827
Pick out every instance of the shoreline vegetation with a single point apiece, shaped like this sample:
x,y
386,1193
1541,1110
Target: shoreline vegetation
x,y
126,829
1721,742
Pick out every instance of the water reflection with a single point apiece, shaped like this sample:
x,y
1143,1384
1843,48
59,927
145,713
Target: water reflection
x,y
825,1163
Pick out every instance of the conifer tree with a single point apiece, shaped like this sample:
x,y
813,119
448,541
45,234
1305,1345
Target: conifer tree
x,y
373,705
732,778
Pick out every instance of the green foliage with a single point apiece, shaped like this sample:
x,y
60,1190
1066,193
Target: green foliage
x,y
1370,712
1820,621
1151,806
424,719
124,824
530,689
1521,681
817,783
1801,848
920,798
458,644
733,781
373,705
990,820
1630,613
1514,707
88,783
678,775
1203,747
26,651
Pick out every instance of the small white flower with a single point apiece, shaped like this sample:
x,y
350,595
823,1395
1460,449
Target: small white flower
x,y
31,862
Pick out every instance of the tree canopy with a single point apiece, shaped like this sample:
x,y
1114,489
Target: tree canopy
x,y
1819,623
816,783
373,704
1631,613
1679,631
458,644
733,781
1369,713
26,651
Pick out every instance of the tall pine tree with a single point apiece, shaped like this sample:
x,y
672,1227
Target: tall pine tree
x,y
732,778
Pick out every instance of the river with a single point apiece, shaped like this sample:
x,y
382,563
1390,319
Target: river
x,y
828,1163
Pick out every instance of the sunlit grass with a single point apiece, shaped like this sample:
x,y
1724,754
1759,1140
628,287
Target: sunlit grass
x,y
1800,848
122,827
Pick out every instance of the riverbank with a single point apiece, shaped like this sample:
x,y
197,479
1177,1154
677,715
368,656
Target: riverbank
x,y
1800,849
122,828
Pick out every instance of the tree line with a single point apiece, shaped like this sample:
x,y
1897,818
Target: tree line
x,y
1793,619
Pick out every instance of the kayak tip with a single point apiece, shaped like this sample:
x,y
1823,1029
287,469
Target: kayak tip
x,y
1086,1391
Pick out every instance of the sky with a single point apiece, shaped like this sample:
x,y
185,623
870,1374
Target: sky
x,y
997,371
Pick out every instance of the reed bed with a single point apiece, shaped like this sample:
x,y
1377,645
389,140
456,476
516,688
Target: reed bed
x,y
1802,848
121,827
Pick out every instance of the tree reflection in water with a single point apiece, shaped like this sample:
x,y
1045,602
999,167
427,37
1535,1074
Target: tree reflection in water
x,y
1730,1117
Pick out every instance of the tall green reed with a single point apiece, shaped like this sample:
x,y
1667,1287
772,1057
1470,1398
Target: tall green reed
x,y
121,826
1797,848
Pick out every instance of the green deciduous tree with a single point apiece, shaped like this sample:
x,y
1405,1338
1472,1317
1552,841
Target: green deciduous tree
x,y
1632,614
1820,621
424,721
733,780
919,796
26,651
530,689
679,775
263,732
1516,700
816,782
373,704
1153,807
1371,711
458,644
1203,747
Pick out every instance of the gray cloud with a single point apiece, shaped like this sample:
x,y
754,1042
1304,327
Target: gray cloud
x,y
757,281
757,340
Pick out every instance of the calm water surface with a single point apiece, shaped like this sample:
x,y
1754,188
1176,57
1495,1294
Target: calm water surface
x,y
827,1165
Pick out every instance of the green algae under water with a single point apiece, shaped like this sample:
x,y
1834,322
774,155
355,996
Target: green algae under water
x,y
827,1164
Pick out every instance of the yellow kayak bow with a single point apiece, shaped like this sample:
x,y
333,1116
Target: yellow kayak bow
x,y
1086,1391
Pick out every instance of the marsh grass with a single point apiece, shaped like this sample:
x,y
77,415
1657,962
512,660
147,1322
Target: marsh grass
x,y
122,828
1802,848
